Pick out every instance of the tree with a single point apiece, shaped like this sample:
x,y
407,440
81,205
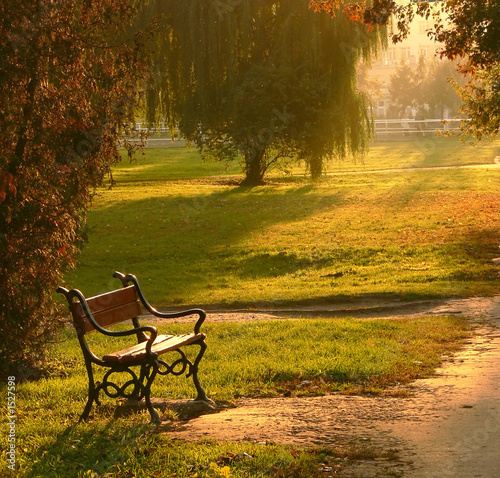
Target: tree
x,y
482,103
427,85
439,88
470,31
370,86
403,88
263,80
69,73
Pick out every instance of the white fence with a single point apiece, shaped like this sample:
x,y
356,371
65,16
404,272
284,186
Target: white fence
x,y
155,129
408,127
160,135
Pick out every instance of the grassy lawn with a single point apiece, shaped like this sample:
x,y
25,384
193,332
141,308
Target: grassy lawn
x,y
393,234
268,358
192,236
430,151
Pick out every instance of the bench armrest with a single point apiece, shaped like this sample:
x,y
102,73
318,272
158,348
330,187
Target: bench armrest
x,y
173,315
130,278
71,294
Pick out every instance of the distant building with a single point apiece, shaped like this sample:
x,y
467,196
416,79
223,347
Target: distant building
x,y
417,45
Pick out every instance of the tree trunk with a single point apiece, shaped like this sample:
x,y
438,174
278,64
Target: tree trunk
x,y
316,167
255,167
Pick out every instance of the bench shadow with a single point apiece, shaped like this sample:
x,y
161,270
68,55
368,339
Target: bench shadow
x,y
80,444
110,444
171,409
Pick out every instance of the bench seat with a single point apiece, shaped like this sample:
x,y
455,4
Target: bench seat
x,y
161,345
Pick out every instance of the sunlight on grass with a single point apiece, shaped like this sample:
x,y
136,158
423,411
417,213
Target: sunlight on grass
x,y
406,235
431,151
193,237
266,358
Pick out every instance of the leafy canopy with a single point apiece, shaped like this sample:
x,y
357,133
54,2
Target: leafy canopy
x,y
69,72
262,80
470,32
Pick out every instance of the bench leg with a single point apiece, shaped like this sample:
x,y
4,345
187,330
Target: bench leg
x,y
138,393
153,370
194,372
92,394
86,410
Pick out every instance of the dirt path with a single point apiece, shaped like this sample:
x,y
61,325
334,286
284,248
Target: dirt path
x,y
457,432
448,427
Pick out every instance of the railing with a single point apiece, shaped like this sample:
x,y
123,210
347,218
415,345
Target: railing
x,y
159,133
407,127
156,129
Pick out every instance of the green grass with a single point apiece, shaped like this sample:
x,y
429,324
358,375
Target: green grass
x,y
193,237
171,163
186,163
429,151
394,234
266,358
269,358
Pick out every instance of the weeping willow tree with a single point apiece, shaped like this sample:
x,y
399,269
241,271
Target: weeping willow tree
x,y
261,80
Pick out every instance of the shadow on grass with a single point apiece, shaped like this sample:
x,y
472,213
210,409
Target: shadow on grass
x,y
176,238
339,305
276,264
82,448
200,240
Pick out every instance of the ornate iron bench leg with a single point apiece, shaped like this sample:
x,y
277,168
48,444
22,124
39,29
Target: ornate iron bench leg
x,y
194,372
138,393
150,376
92,393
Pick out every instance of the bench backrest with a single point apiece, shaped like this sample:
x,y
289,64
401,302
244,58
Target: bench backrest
x,y
108,309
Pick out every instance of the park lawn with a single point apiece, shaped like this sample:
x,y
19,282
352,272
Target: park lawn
x,y
195,238
420,152
263,358
429,151
171,163
407,234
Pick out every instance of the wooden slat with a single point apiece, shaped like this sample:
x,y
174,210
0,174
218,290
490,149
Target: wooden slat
x,y
141,347
162,344
109,308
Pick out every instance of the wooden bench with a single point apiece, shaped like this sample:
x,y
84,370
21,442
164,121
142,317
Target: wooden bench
x,y
99,312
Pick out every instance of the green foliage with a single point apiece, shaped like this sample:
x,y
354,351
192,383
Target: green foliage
x,y
403,87
431,83
68,79
470,32
265,81
482,104
439,88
